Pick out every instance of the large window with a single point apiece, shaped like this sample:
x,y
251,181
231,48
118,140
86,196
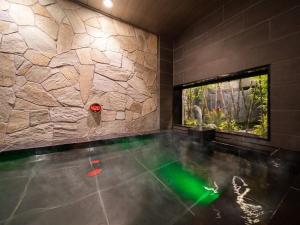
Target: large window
x,y
236,104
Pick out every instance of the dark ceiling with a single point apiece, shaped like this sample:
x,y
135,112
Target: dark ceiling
x,y
163,17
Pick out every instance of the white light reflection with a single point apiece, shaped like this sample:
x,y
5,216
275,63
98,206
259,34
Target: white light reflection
x,y
252,212
215,190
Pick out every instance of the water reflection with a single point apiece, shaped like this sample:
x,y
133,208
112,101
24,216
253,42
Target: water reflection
x,y
188,185
218,185
252,212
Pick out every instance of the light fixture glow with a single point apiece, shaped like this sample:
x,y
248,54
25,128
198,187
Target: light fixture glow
x,y
108,3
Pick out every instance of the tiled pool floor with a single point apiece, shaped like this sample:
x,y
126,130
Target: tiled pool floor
x,y
158,180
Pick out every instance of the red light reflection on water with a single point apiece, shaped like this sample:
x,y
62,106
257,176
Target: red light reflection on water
x,y
94,172
95,161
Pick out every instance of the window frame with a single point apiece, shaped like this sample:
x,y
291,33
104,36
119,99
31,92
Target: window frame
x,y
256,71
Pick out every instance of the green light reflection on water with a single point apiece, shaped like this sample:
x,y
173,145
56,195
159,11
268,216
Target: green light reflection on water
x,y
187,185
10,161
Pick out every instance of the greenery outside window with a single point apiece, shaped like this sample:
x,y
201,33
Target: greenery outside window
x,y
236,104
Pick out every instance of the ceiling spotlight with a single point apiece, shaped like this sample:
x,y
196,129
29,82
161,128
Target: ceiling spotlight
x,y
108,3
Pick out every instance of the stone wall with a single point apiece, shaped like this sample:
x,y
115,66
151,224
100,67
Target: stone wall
x,y
240,35
56,59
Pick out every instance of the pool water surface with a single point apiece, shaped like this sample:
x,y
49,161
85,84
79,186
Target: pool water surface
x,y
163,179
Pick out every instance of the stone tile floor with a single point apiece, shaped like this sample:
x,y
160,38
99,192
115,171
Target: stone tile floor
x,y
147,180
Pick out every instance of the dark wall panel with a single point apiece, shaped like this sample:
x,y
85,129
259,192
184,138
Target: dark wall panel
x,y
166,82
245,34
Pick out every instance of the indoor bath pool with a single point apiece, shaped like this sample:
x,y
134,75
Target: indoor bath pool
x,y
161,179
